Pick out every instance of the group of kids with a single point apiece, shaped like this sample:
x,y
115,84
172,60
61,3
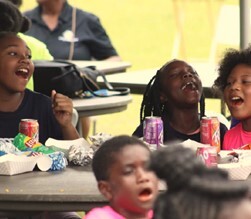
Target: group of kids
x,y
129,174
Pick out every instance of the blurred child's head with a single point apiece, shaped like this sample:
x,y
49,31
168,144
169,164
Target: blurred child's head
x,y
176,84
18,3
195,191
11,19
234,81
120,167
16,66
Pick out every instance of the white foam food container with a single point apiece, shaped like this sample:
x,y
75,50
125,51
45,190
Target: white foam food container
x,y
11,164
64,145
237,171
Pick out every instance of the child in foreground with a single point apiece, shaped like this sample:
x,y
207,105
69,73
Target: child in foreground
x,y
175,94
120,168
234,81
195,191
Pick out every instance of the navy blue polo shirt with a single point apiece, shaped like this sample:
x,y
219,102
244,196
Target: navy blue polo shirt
x,y
90,41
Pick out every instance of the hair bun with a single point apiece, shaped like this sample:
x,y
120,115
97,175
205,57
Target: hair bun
x,y
11,18
25,25
18,3
7,23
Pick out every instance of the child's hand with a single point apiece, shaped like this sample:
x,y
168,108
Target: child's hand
x,y
62,108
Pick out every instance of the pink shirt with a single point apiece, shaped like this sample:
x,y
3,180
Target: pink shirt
x,y
107,213
236,137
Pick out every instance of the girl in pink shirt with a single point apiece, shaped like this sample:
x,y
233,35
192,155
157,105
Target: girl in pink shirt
x,y
234,81
120,167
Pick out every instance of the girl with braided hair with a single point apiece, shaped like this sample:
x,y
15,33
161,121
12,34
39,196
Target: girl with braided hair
x,y
175,94
195,191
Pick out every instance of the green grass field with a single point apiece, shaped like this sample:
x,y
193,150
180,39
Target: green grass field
x,y
145,32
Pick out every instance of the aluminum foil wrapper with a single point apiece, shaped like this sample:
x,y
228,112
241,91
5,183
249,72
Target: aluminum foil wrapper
x,y
80,155
99,139
7,146
59,162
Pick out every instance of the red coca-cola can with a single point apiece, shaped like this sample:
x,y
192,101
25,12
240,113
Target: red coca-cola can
x,y
153,131
30,127
210,131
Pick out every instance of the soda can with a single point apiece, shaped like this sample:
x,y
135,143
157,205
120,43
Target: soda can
x,y
29,127
208,155
246,147
153,131
210,131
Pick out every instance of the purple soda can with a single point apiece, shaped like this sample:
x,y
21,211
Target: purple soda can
x,y
153,131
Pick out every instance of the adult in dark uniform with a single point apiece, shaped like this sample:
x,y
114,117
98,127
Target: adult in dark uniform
x,y
53,23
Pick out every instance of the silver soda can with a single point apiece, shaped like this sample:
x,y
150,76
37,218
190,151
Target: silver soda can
x,y
153,131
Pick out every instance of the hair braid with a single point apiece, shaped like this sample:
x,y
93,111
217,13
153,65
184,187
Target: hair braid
x,y
165,169
194,191
202,105
146,99
151,104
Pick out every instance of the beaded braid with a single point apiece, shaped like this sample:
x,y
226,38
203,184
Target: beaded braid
x,y
202,105
151,104
194,191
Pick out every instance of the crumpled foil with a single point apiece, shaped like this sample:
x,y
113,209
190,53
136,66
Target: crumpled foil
x,y
7,146
99,139
82,154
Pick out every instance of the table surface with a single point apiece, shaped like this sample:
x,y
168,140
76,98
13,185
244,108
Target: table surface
x,y
101,105
107,67
137,80
72,189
